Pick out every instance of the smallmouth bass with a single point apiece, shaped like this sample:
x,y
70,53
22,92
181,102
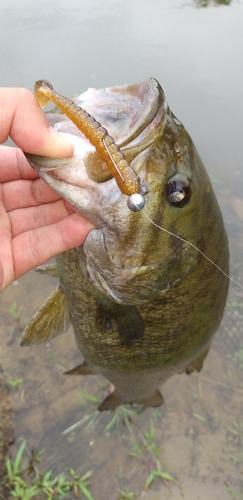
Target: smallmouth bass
x,y
144,302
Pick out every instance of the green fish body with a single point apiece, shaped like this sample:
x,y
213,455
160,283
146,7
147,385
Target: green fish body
x,y
144,301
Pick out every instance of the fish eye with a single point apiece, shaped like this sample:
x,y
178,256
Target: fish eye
x,y
178,190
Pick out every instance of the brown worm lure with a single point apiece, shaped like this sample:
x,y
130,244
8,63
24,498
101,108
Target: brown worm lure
x,y
126,179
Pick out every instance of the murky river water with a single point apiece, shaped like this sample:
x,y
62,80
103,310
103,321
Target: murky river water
x,y
195,50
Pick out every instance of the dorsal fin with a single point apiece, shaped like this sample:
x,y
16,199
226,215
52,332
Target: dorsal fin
x,y
51,320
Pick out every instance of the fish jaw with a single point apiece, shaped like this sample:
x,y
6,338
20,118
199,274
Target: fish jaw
x,y
71,181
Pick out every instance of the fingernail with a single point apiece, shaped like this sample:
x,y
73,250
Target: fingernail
x,y
60,139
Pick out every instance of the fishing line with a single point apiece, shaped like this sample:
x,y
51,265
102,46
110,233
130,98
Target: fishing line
x,y
115,165
193,246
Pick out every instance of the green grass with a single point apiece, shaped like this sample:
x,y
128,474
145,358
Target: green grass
x,y
237,360
236,494
235,433
126,495
24,480
16,383
145,449
13,311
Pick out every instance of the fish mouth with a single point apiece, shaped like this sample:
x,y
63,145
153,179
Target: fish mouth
x,y
125,111
132,116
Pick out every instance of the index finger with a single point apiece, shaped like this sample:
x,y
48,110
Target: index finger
x,y
14,166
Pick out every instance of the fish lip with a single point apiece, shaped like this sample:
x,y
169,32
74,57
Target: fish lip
x,y
45,163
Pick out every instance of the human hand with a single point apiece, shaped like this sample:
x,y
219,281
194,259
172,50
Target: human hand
x,y
35,223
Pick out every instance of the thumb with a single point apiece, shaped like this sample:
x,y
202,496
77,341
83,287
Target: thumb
x,y
22,119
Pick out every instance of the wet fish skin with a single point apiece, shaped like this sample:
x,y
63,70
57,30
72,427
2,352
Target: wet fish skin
x,y
143,304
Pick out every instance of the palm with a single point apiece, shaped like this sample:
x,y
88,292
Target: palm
x,y
6,256
35,223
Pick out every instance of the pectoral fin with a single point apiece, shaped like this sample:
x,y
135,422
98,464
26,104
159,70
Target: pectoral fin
x,y
129,324
51,320
50,269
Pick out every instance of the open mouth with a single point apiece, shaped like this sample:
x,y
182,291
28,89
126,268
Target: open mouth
x,y
128,116
125,111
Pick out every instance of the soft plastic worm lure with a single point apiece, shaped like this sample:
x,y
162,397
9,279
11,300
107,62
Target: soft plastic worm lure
x,y
127,180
